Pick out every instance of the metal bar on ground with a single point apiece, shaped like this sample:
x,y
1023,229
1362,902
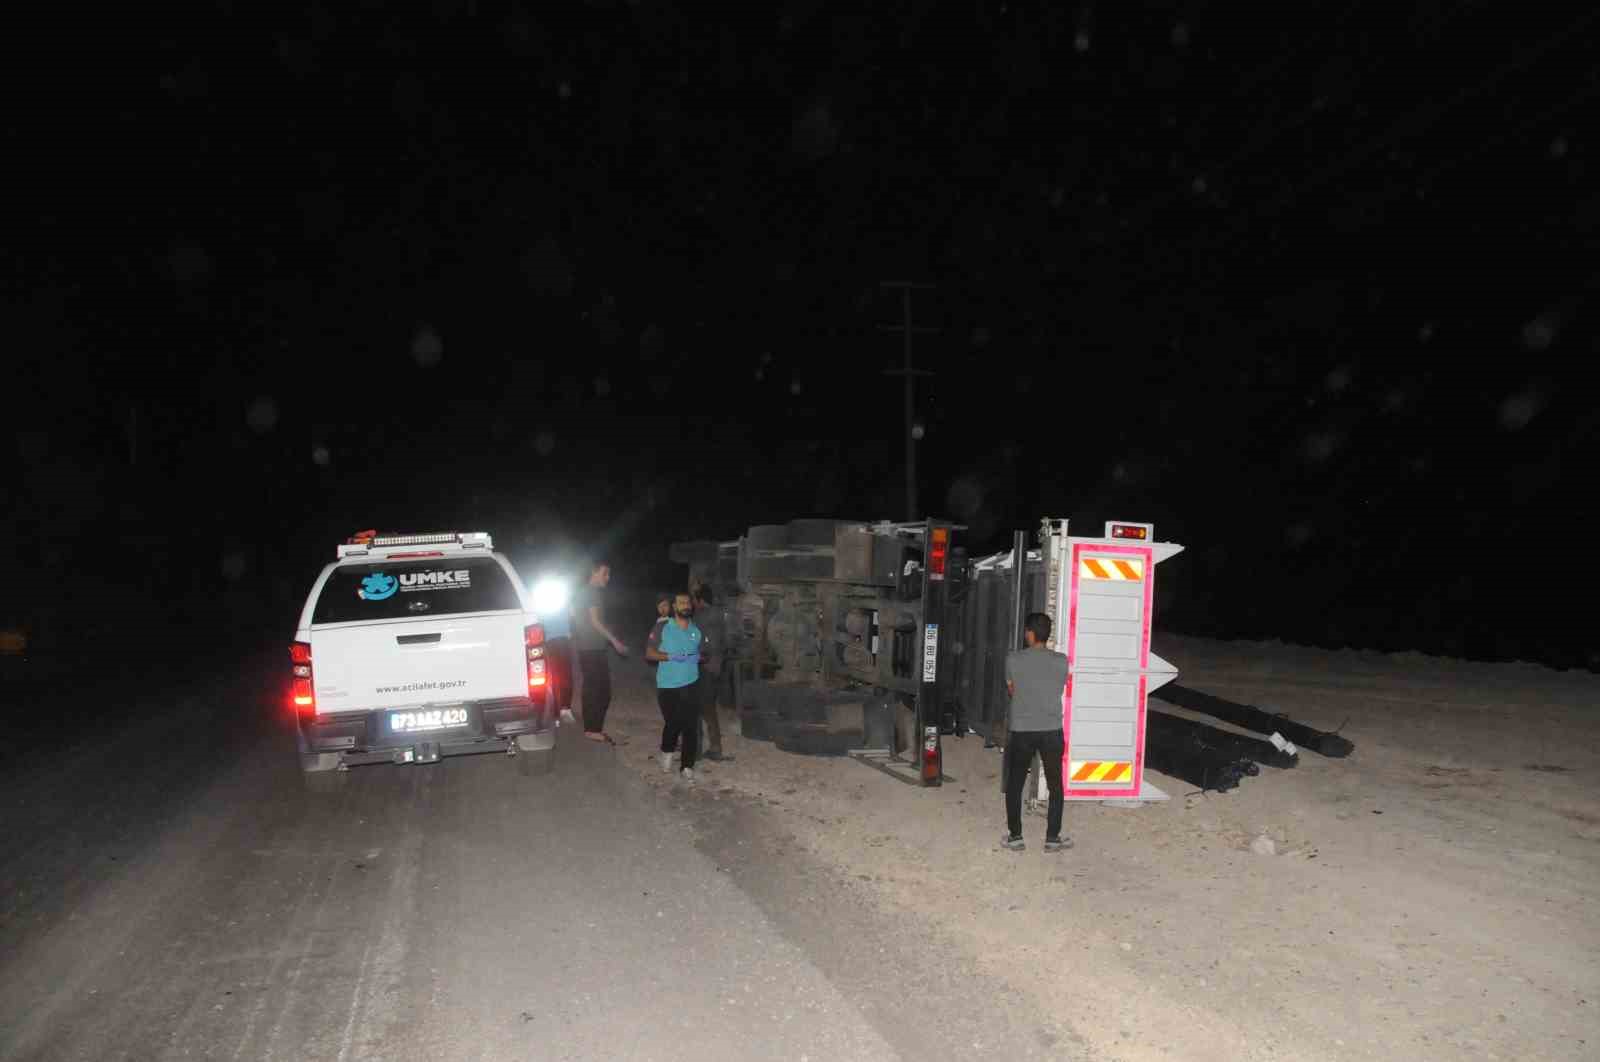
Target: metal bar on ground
x,y
1230,744
1262,722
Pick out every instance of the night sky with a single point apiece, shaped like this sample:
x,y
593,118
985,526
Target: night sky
x,y
1308,286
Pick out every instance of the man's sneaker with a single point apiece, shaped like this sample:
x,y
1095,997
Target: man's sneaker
x,y
687,774
666,762
1015,844
1057,844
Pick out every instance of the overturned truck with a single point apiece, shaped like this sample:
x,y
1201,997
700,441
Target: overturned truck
x,y
879,638
833,628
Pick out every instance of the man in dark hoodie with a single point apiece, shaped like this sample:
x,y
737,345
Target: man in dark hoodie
x,y
709,618
595,643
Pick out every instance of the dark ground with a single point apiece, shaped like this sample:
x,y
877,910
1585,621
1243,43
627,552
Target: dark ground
x,y
169,890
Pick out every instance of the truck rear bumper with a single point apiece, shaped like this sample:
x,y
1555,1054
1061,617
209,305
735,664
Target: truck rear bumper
x,y
491,726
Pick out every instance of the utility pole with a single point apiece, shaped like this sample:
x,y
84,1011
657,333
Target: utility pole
x,y
910,372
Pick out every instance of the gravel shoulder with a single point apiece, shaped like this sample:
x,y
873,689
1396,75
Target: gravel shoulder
x,y
1433,893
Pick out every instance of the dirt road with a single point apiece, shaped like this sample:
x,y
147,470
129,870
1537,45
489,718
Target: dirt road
x,y
170,891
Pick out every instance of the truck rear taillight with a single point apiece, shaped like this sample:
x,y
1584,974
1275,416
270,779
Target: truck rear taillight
x,y
932,770
938,551
533,638
301,691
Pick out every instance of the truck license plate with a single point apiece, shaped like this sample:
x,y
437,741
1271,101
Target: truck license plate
x,y
426,719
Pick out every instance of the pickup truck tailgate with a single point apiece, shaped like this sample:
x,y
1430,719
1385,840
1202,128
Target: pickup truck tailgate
x,y
361,667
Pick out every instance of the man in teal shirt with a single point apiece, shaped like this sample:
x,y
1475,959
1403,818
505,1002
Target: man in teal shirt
x,y
676,646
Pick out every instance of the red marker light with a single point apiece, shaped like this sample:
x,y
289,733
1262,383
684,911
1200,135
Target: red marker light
x,y
302,693
938,551
1129,531
538,670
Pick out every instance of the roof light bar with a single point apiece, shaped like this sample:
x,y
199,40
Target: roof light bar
x,y
417,540
365,542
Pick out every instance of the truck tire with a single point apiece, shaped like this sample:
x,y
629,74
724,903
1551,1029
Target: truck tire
x,y
813,740
758,726
791,567
767,536
810,532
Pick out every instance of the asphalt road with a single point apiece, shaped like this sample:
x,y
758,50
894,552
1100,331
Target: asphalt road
x,y
169,890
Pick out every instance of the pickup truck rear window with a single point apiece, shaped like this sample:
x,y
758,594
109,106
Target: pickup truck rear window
x,y
443,586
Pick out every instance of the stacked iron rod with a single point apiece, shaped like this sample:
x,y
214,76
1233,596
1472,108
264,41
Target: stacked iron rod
x,y
1211,758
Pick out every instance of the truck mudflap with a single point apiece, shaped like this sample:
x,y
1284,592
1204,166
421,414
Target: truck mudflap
x,y
539,741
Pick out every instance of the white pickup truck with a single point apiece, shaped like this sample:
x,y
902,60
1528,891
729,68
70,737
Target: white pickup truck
x,y
414,647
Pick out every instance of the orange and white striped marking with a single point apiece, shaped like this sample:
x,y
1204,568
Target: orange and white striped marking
x,y
1113,569
1102,771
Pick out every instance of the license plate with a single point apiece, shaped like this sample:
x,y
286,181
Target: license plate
x,y
426,719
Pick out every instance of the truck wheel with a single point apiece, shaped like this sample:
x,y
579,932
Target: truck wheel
x,y
758,726
792,567
812,740
767,536
811,532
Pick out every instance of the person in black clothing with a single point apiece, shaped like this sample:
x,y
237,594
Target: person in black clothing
x,y
663,614
1036,678
713,626
594,641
